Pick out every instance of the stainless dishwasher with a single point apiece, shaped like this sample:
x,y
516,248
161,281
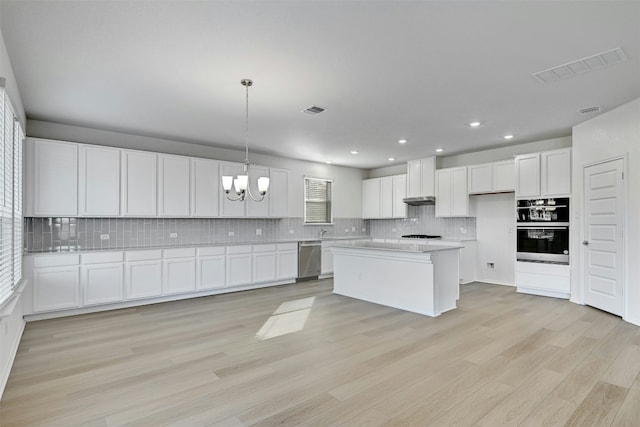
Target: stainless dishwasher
x,y
309,257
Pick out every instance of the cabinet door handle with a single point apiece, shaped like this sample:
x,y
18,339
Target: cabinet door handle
x,y
585,242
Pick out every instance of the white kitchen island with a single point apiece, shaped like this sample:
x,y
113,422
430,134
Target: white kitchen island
x,y
423,279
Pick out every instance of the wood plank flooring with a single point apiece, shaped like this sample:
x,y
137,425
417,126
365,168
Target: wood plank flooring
x,y
501,359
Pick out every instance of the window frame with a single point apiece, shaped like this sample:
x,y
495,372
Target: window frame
x,y
329,200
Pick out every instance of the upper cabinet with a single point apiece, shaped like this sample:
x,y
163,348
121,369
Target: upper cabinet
x,y
52,178
278,193
205,187
452,197
173,186
98,181
421,177
382,197
497,177
66,179
139,178
544,174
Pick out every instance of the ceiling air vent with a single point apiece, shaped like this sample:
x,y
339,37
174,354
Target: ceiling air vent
x,y
314,109
589,110
581,66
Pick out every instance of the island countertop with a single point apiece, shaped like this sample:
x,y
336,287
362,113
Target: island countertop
x,y
398,247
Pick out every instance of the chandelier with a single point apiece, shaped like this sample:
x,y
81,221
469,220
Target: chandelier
x,y
240,183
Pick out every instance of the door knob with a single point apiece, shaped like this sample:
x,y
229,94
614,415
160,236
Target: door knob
x,y
585,242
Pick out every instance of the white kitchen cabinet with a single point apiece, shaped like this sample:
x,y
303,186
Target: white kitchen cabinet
x,y
496,177
371,198
386,197
173,186
56,288
551,280
504,176
258,209
102,283
278,193
230,208
179,275
239,271
264,262
452,197
399,208
287,262
326,260
421,177
138,185
143,274
546,174
205,188
52,178
555,173
211,267
98,181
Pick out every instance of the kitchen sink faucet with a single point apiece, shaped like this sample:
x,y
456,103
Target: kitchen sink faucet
x,y
322,233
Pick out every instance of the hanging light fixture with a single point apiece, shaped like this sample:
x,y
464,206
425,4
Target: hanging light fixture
x,y
240,183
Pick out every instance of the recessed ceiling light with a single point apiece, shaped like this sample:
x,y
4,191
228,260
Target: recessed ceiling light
x,y
508,136
402,141
391,159
328,162
354,151
474,124
439,150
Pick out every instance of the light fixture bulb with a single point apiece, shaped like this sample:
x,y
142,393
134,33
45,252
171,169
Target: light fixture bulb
x,y
241,182
354,151
391,159
474,124
508,136
227,183
439,150
402,141
263,185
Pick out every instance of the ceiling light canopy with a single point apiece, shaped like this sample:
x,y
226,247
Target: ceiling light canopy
x,y
354,151
474,124
439,150
402,141
391,159
508,136
241,182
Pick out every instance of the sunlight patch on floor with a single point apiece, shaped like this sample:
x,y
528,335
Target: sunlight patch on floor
x,y
289,317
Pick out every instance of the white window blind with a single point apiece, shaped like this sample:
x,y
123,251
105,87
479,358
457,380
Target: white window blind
x,y
317,201
11,136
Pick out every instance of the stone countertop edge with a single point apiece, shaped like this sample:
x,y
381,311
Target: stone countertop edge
x,y
198,245
398,247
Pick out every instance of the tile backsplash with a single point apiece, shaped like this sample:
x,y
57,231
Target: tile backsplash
x,y
422,220
76,234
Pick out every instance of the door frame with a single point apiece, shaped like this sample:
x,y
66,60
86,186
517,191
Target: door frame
x,y
625,217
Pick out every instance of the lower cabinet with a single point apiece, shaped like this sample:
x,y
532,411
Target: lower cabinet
x,y
551,280
211,268
56,288
178,271
264,263
239,271
287,262
326,260
102,283
143,274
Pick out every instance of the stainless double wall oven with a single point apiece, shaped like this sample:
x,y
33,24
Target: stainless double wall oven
x,y
543,230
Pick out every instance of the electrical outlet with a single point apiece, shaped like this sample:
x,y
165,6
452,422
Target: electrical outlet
x,y
231,234
463,230
258,231
104,237
490,265
291,231
173,235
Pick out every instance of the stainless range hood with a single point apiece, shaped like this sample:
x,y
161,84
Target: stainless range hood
x,y
420,201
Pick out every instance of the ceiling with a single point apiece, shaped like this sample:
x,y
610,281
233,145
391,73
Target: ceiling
x,y
384,70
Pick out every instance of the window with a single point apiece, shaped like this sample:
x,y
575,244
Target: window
x,y
317,201
11,137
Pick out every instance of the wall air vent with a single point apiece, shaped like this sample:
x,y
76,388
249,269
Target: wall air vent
x,y
581,66
589,110
314,109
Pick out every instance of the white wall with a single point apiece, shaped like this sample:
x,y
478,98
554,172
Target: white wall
x,y
347,189
495,233
614,133
11,322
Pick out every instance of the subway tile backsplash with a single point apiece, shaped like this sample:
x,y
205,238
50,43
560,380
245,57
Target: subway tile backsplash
x,y
77,234
422,220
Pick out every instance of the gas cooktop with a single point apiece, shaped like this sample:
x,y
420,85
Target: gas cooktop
x,y
421,236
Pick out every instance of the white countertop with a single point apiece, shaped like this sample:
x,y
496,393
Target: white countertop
x,y
399,247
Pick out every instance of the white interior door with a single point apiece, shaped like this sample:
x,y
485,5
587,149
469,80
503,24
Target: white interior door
x,y
603,244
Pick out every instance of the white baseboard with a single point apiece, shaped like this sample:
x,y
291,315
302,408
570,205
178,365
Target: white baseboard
x,y
543,293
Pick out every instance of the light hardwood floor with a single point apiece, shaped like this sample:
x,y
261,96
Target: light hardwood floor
x,y
502,358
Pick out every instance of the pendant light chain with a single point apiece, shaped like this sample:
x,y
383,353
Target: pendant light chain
x,y
246,123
